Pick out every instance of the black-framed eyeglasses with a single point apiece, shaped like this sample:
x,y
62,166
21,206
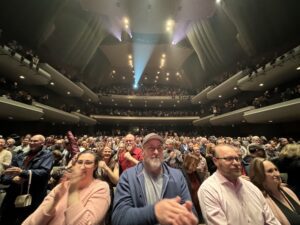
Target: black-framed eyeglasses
x,y
230,158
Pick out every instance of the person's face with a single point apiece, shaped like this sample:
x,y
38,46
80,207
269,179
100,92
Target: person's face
x,y
35,143
129,142
10,142
86,163
196,150
272,175
2,143
284,142
25,141
228,162
85,145
121,147
170,146
191,145
153,154
106,153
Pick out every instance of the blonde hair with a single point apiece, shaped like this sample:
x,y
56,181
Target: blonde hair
x,y
290,151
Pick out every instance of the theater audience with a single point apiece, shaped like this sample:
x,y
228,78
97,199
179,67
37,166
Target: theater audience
x,y
39,162
282,200
225,198
79,199
24,147
152,192
108,171
65,148
289,162
172,156
5,156
194,179
132,154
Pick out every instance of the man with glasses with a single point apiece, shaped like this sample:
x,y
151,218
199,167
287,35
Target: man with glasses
x,y
226,198
152,192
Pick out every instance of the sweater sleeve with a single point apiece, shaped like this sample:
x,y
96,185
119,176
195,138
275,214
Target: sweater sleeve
x,y
39,217
92,211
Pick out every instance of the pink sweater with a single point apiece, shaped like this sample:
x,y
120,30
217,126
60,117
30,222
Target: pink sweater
x,y
95,201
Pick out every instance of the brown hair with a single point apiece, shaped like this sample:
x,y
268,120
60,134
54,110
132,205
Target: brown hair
x,y
257,173
190,160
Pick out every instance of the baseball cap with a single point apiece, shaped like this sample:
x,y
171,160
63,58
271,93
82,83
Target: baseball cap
x,y
152,136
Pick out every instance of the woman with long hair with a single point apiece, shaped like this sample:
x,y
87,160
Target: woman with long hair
x,y
283,201
108,170
78,199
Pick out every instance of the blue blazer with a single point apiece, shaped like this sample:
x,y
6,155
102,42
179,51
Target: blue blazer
x,y
130,203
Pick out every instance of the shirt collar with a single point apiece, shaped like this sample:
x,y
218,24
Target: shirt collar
x,y
224,180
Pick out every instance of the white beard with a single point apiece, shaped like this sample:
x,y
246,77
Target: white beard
x,y
154,164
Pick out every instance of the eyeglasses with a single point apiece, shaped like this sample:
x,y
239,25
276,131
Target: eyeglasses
x,y
87,163
230,158
153,148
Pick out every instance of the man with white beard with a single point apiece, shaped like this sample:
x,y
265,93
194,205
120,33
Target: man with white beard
x,y
152,192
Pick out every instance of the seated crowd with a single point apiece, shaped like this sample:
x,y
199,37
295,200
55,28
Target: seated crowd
x,y
143,90
152,179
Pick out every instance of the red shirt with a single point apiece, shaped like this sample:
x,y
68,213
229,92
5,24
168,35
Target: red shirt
x,y
124,163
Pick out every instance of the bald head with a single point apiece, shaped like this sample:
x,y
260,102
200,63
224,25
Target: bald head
x,y
37,142
221,149
228,161
129,142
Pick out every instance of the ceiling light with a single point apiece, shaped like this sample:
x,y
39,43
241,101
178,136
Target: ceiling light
x,y
146,78
158,72
156,77
167,78
298,68
52,83
10,118
123,77
129,56
261,84
113,71
218,1
126,21
235,88
168,73
22,77
68,93
163,55
177,73
270,121
220,96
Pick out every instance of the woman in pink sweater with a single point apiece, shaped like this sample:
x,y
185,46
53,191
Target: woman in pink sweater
x,y
80,199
